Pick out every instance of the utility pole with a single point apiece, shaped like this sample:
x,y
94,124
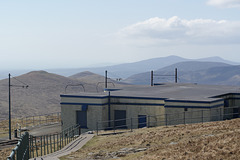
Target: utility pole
x,y
151,78
176,75
9,98
9,94
106,79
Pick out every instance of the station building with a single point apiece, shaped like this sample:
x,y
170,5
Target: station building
x,y
149,105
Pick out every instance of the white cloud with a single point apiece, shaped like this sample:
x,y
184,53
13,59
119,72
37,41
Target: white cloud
x,y
180,31
224,3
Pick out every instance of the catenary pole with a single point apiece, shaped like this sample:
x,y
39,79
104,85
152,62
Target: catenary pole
x,y
9,94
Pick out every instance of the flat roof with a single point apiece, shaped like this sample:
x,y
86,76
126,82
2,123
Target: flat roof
x,y
170,91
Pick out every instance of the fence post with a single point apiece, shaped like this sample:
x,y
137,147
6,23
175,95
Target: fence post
x,y
60,140
57,142
68,135
166,119
33,120
184,118
54,143
79,130
51,143
114,126
41,144
36,146
131,125
44,145
19,151
32,148
97,128
65,136
47,145
202,116
220,114
148,120
27,151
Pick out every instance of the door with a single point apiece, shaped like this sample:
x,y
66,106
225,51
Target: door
x,y
82,118
120,119
142,121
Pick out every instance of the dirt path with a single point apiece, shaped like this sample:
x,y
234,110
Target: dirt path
x,y
71,147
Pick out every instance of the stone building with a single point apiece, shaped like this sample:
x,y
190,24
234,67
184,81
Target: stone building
x,y
140,106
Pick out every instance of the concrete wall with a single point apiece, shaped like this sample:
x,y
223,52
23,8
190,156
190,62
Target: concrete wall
x,y
232,103
138,106
181,112
96,111
158,111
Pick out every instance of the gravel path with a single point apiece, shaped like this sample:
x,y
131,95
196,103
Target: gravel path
x,y
71,147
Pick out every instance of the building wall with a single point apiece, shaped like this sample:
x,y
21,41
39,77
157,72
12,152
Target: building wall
x,y
158,111
138,106
231,105
181,112
96,110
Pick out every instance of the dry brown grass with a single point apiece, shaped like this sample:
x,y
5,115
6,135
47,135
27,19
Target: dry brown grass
x,y
27,122
4,153
213,140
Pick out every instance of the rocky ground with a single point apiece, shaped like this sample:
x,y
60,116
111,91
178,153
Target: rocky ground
x,y
213,140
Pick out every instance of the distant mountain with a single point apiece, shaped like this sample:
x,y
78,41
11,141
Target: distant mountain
x,y
192,72
127,69
192,66
123,70
218,59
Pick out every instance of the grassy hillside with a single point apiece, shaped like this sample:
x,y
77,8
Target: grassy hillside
x,y
212,140
41,97
43,94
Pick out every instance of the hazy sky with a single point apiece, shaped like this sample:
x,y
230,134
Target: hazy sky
x,y
40,34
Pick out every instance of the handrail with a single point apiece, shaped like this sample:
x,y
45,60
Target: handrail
x,y
21,151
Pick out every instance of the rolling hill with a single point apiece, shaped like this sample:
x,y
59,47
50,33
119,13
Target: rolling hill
x,y
41,97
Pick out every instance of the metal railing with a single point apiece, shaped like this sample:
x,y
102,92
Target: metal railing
x,y
29,121
187,117
46,144
21,151
39,120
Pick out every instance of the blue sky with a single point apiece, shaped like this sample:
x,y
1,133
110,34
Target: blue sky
x,y
76,33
